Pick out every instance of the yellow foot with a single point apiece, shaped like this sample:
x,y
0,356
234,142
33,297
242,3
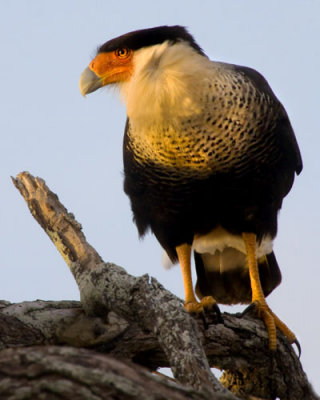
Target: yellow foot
x,y
207,302
193,306
272,322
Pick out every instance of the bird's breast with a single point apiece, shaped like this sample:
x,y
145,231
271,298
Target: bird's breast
x,y
206,144
229,126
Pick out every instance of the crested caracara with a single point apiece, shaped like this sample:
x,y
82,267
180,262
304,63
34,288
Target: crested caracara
x,y
209,154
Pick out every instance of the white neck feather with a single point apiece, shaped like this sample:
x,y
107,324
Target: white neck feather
x,y
165,83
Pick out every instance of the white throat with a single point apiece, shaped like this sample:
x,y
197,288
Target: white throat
x,y
165,83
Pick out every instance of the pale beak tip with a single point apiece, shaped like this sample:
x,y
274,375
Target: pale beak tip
x,y
83,93
89,82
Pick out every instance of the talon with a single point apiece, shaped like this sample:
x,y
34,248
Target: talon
x,y
193,307
208,302
258,308
218,313
272,321
251,308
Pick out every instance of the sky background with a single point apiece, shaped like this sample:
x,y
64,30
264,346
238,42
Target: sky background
x,y
75,144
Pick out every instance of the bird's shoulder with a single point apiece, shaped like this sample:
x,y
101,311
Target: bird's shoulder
x,y
264,94
245,76
256,78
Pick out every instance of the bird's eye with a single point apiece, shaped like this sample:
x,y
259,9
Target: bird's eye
x,y
123,52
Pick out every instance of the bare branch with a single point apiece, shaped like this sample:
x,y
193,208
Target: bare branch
x,y
67,373
238,345
105,287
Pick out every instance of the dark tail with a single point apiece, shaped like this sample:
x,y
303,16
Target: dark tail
x,y
225,276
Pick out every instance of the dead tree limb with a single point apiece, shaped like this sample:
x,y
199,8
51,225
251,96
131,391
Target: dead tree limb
x,y
239,346
67,373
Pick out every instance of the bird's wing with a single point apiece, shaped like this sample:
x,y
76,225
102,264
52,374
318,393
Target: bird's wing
x,y
286,134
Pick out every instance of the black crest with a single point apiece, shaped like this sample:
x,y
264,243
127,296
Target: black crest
x,y
148,37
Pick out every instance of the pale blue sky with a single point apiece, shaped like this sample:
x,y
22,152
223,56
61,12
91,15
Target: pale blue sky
x,y
75,144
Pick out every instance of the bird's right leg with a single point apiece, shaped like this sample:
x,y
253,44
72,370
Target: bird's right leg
x,y
266,314
191,304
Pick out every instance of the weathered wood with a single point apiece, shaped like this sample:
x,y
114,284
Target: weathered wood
x,y
51,372
105,287
239,346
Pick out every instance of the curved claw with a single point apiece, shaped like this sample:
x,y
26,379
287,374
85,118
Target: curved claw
x,y
216,310
251,307
207,304
211,307
210,304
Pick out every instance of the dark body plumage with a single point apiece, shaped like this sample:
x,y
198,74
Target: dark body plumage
x,y
244,195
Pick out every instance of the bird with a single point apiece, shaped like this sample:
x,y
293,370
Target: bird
x,y
209,154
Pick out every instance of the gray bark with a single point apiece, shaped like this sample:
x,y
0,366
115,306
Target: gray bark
x,y
137,319
67,373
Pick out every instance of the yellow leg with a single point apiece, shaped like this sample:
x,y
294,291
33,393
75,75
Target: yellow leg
x,y
270,319
191,304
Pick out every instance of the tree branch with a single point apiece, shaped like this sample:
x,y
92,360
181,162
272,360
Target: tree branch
x,y
238,345
67,373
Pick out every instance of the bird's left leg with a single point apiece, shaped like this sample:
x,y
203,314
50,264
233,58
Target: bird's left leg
x,y
270,319
191,304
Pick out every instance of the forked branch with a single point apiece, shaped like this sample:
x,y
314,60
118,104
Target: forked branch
x,y
238,345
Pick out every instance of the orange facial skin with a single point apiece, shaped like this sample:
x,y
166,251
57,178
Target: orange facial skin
x,y
112,67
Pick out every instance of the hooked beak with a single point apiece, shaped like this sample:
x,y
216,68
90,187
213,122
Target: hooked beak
x,y
89,82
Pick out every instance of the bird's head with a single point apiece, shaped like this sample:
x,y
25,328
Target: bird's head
x,y
157,70
108,67
116,59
